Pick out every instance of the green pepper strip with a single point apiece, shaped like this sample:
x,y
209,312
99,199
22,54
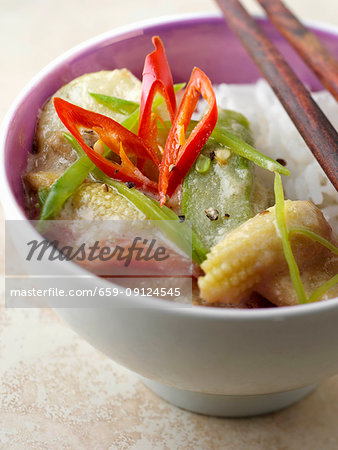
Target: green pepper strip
x,y
322,289
116,104
131,121
164,218
241,148
285,236
73,142
65,186
283,231
315,237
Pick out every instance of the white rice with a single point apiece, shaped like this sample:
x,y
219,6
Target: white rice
x,y
276,136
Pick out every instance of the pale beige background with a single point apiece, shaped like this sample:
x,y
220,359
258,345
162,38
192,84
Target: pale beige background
x,y
56,391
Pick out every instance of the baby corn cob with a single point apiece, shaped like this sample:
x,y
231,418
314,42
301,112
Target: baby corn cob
x,y
248,254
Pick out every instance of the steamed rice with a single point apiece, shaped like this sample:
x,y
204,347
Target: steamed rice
x,y
276,136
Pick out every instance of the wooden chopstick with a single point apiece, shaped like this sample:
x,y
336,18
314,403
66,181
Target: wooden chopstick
x,y
309,47
316,130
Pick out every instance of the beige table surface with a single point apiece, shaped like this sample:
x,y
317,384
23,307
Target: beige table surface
x,y
56,391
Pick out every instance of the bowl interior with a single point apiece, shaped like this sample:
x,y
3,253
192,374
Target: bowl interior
x,y
205,42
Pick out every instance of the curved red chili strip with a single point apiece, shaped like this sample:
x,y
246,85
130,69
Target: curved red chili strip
x,y
156,78
180,154
113,135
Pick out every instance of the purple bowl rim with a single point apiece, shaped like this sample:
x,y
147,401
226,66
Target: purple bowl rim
x,y
278,313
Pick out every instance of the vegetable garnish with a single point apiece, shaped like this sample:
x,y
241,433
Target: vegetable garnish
x,y
285,237
63,187
52,200
116,104
321,290
156,79
131,121
283,231
178,151
166,219
246,150
315,237
115,136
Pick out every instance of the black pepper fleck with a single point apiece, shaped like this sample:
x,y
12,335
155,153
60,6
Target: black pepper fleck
x,y
130,184
212,155
226,215
116,170
211,213
281,161
182,218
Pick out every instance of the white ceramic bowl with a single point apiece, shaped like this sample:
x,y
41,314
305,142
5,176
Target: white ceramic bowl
x,y
210,360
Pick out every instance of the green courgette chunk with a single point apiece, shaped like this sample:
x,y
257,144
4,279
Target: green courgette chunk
x,y
221,198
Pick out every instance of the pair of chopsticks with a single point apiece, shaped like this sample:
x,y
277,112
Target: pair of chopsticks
x,y
311,122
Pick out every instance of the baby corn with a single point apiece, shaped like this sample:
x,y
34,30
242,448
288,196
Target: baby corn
x,y
253,251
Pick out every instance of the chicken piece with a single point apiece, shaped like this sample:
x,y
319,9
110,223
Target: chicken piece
x,y
97,201
250,258
56,155
279,289
42,179
60,148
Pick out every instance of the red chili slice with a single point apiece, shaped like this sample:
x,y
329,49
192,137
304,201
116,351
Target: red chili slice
x,y
115,136
156,78
180,154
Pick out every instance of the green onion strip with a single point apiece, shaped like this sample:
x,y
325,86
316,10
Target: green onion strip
x,y
283,231
285,237
246,150
320,291
315,237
